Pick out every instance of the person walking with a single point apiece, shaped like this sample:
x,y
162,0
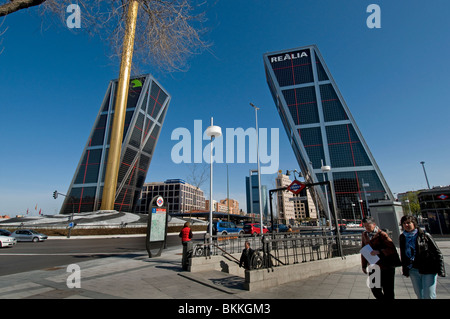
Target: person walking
x,y
422,259
186,236
246,256
383,247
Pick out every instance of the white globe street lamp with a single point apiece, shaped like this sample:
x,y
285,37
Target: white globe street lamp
x,y
213,132
326,168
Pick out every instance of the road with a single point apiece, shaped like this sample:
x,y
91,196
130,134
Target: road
x,y
27,256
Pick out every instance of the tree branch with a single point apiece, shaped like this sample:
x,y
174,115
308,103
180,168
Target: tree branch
x,y
16,5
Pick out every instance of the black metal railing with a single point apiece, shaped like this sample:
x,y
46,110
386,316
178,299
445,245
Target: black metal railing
x,y
272,250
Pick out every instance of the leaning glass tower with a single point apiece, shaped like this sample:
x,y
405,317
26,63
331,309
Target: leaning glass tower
x,y
146,109
322,131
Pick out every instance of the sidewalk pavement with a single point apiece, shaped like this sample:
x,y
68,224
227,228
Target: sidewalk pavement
x,y
136,276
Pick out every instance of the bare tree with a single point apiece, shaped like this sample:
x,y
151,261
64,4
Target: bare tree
x,y
198,174
167,31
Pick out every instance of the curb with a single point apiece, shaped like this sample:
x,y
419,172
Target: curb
x,y
114,236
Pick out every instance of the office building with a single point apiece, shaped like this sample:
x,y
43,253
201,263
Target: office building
x,y
322,131
179,196
285,203
230,205
146,109
293,208
252,196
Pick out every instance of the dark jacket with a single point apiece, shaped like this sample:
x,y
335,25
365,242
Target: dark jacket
x,y
388,253
246,258
428,258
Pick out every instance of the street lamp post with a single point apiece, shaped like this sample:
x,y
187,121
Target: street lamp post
x,y
326,168
364,185
360,201
360,207
353,211
213,132
425,172
409,207
315,199
259,171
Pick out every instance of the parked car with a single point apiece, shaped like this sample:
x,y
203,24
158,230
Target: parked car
x,y
226,228
280,228
254,229
28,235
7,241
4,232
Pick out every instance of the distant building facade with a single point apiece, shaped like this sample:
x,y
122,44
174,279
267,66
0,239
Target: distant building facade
x,y
293,207
179,196
285,204
223,207
231,204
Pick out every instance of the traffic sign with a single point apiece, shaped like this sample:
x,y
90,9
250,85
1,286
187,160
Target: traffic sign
x,y
296,187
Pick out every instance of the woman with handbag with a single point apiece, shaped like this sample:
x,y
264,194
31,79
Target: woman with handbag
x,y
421,258
383,247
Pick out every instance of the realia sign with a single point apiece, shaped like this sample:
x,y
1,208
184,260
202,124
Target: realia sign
x,y
289,56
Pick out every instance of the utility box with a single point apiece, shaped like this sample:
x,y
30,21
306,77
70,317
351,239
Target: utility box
x,y
387,215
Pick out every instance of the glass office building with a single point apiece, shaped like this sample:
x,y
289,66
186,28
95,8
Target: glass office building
x,y
252,196
146,109
321,129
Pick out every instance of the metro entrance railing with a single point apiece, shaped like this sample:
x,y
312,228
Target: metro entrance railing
x,y
278,249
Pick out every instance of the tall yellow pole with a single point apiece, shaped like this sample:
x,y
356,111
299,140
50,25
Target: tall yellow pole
x,y
115,148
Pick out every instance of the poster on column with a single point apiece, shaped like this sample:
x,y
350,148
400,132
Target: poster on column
x,y
156,227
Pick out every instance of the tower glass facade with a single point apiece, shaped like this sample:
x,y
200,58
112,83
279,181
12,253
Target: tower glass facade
x,y
252,195
146,109
321,129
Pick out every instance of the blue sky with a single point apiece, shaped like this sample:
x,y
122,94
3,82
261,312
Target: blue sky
x,y
395,81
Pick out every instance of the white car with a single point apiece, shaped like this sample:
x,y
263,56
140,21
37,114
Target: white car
x,y
7,241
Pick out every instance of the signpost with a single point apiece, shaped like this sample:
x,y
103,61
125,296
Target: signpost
x,y
296,187
156,227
